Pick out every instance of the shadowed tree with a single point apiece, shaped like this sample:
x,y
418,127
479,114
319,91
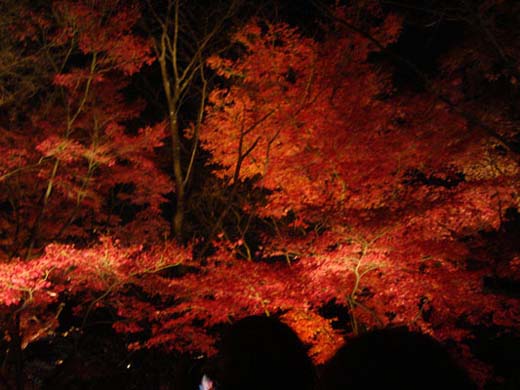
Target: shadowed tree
x,y
183,41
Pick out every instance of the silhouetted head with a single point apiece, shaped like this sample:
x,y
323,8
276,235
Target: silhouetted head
x,y
262,353
393,358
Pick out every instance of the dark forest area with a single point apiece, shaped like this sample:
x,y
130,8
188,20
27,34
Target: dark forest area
x,y
170,168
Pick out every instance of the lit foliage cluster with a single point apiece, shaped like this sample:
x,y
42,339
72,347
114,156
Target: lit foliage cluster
x,y
383,189
70,163
379,197
61,165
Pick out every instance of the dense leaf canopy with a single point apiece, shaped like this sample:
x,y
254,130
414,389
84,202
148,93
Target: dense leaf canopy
x,y
306,168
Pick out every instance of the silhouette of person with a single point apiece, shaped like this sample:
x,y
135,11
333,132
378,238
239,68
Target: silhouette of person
x,y
393,358
261,353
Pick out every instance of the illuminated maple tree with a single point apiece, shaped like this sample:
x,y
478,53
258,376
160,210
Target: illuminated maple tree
x,y
69,163
378,199
382,191
62,162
